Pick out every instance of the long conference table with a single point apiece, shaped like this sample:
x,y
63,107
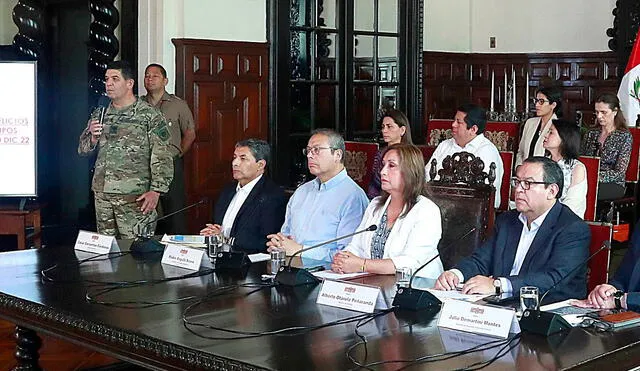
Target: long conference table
x,y
156,336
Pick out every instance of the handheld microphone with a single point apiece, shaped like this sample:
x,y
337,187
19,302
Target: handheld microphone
x,y
103,104
292,276
414,299
547,323
143,243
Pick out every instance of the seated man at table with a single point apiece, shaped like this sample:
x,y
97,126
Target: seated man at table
x,y
623,291
466,130
329,206
536,245
252,206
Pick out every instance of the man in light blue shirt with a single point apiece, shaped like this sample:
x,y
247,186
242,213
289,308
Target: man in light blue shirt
x,y
329,206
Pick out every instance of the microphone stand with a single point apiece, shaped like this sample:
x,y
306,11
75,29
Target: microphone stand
x,y
143,243
548,323
292,276
415,299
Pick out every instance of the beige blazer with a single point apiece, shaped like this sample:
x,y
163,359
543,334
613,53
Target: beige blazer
x,y
529,130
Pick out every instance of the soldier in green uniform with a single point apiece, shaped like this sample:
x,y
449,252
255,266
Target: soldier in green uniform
x,y
134,164
182,129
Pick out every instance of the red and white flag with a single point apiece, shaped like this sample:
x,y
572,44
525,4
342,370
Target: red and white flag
x,y
629,91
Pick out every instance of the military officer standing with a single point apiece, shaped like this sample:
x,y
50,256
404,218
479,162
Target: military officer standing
x,y
182,129
134,163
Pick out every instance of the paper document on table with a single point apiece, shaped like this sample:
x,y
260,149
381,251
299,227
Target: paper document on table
x,y
181,239
457,295
331,275
570,313
259,257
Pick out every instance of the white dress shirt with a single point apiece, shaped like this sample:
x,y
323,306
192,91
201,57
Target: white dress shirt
x,y
526,239
413,239
236,203
479,146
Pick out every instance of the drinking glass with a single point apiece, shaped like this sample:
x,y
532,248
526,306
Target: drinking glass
x,y
277,260
528,298
403,276
214,246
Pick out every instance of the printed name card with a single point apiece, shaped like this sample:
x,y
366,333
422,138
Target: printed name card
x,y
96,243
352,296
185,257
478,319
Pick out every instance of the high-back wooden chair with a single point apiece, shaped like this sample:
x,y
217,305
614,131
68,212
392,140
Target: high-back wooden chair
x,y
358,161
465,201
427,152
437,131
505,187
598,266
505,135
592,165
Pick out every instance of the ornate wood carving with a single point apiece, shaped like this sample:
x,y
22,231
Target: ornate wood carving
x,y
625,29
28,15
451,79
103,44
463,167
27,345
143,346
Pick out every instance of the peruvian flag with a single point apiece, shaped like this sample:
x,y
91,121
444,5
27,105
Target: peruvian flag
x,y
629,91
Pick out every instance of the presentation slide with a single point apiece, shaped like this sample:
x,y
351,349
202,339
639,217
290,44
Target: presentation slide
x,y
18,129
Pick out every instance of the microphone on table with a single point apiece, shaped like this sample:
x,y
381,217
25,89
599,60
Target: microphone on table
x,y
292,276
547,323
143,243
415,299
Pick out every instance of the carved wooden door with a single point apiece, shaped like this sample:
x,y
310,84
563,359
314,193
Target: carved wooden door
x,y
225,84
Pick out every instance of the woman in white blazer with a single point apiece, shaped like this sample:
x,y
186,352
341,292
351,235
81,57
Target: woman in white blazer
x,y
548,101
409,225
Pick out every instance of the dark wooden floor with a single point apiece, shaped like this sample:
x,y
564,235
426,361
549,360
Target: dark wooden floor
x,y
54,354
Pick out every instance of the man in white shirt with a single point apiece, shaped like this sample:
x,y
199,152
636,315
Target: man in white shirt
x,y
251,207
467,128
537,245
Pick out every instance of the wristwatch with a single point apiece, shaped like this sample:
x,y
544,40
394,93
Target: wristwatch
x,y
498,285
616,298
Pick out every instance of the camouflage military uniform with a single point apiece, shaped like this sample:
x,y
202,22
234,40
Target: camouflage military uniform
x,y
179,120
133,157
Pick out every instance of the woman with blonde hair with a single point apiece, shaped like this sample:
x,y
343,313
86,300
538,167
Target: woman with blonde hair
x,y
409,224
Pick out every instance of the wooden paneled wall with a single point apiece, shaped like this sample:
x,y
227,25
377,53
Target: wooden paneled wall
x,y
451,79
225,84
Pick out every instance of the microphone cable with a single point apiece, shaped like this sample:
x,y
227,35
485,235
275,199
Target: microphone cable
x,y
287,331
105,287
46,277
503,343
138,304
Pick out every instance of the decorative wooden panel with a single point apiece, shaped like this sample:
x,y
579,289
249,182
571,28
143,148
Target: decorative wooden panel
x,y
225,84
455,78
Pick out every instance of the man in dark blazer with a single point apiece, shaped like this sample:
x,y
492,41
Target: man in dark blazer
x,y
251,207
623,291
537,245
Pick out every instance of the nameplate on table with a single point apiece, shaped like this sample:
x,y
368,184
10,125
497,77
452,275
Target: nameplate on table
x,y
352,296
478,319
95,243
185,257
